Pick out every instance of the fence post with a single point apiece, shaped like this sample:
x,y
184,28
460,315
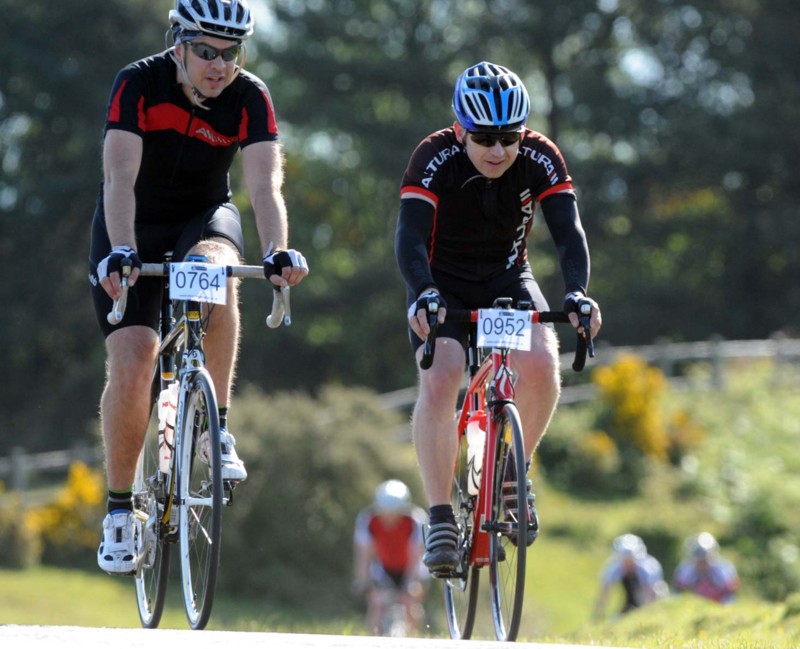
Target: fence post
x,y
19,470
717,362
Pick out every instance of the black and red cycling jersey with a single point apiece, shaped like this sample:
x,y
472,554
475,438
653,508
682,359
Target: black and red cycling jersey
x,y
455,221
187,150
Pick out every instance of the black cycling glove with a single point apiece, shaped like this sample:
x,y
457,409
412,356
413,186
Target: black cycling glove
x,y
426,301
113,263
576,302
275,262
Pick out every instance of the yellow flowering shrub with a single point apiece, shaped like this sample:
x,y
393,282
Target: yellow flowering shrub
x,y
633,392
69,526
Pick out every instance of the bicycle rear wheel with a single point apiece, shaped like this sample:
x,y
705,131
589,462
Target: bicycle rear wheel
x,y
461,590
508,546
152,548
200,498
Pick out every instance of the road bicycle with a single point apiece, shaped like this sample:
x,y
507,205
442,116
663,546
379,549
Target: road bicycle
x,y
489,531
178,492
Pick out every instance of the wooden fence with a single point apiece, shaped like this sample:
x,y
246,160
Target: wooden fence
x,y
20,466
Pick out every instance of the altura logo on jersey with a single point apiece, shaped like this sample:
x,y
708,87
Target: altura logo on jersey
x,y
436,162
214,138
542,159
527,207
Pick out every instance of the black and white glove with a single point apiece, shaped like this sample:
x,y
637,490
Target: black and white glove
x,y
576,302
113,263
430,301
275,262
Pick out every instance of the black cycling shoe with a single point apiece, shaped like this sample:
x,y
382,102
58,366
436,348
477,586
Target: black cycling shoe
x,y
441,549
510,502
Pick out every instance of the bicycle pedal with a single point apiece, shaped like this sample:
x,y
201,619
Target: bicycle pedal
x,y
228,486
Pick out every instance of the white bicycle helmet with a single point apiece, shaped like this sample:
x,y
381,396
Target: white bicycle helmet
x,y
702,546
629,546
490,97
229,19
392,497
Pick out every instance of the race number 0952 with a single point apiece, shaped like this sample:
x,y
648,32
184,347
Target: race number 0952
x,y
503,328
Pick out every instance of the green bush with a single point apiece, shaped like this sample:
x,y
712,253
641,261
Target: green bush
x,y
312,465
20,544
769,549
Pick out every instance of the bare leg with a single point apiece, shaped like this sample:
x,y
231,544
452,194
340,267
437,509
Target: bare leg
x,y
433,425
222,335
538,385
125,404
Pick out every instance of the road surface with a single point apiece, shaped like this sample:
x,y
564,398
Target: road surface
x,y
66,637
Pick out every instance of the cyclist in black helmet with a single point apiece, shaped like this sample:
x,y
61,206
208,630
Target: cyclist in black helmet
x,y
173,125
467,203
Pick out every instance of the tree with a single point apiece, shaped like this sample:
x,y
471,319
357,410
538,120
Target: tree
x,y
58,68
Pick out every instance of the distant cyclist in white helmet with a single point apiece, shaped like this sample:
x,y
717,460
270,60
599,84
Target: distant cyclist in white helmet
x,y
388,550
467,204
704,572
639,574
174,123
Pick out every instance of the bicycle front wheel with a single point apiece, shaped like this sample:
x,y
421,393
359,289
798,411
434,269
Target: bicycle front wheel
x,y
510,527
152,548
199,498
461,590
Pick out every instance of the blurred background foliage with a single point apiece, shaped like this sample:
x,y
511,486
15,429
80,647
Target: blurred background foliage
x,y
675,119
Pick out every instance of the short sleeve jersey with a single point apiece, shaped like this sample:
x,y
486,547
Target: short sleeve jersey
x,y
187,151
392,544
481,224
718,582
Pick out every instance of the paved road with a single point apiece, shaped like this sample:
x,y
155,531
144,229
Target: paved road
x,y
66,637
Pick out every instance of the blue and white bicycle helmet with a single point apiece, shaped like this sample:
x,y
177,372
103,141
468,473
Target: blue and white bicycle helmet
x,y
490,97
230,19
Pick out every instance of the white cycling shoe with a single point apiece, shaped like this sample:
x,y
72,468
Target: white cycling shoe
x,y
232,467
117,552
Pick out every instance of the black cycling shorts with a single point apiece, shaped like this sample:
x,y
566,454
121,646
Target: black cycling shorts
x,y
153,241
517,283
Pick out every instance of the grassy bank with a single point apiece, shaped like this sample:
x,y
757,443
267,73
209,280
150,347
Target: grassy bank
x,y
749,461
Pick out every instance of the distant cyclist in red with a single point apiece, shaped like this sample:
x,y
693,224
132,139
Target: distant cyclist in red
x,y
388,549
174,123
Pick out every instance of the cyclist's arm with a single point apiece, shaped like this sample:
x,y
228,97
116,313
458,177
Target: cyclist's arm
x,y
262,163
363,551
414,228
122,158
561,215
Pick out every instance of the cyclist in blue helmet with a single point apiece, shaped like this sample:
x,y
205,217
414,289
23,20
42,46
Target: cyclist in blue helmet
x,y
467,203
490,97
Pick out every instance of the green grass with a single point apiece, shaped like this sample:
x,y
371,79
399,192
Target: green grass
x,y
752,428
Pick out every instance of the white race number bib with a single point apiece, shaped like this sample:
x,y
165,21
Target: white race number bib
x,y
506,329
198,281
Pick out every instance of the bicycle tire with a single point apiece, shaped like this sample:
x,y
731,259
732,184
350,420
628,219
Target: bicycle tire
x,y
508,544
200,493
152,547
461,591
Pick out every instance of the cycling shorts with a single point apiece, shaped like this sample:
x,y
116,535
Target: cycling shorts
x,y
154,240
517,283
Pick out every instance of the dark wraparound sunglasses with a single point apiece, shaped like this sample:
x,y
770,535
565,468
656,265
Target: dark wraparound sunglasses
x,y
209,53
489,139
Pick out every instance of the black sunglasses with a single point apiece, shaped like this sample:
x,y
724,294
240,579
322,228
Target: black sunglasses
x,y
489,139
208,53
